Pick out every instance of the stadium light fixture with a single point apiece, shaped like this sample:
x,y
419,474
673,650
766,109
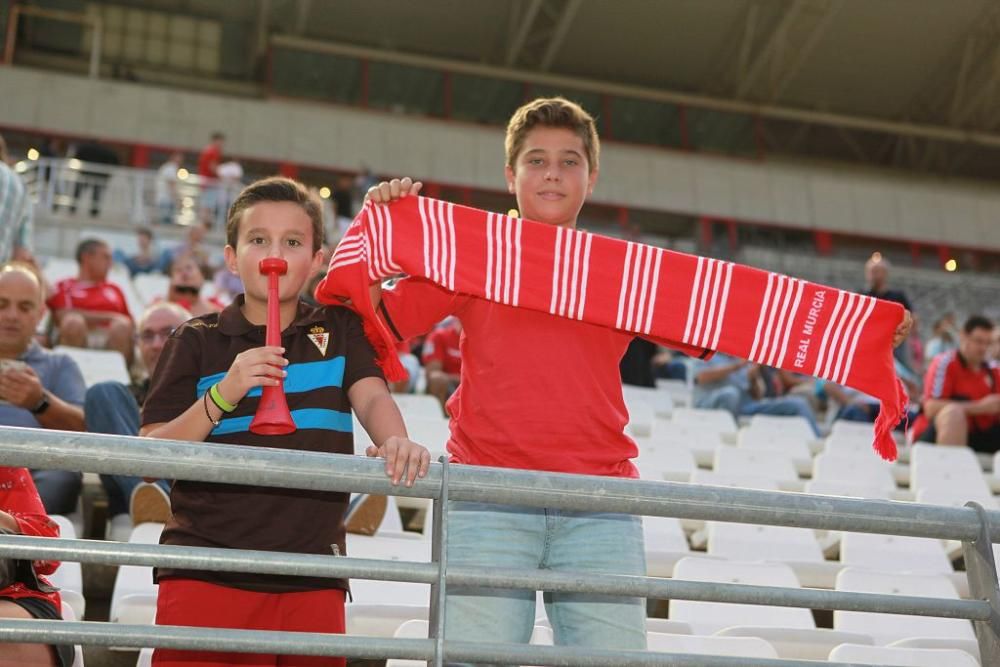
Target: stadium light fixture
x,y
21,167
32,154
75,164
183,174
324,192
951,265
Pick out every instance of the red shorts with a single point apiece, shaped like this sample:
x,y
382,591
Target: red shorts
x,y
200,604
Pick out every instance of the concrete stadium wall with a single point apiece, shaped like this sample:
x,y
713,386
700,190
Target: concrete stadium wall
x,y
807,196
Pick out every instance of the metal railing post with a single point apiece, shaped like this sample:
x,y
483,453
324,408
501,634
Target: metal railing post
x,y
981,571
439,555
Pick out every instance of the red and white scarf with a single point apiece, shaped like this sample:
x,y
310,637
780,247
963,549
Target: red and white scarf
x,y
695,304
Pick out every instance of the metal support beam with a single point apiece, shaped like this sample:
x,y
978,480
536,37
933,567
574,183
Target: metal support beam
x,y
982,573
559,33
302,16
786,49
540,33
523,28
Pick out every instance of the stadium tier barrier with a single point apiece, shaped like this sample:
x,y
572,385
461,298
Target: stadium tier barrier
x,y
976,527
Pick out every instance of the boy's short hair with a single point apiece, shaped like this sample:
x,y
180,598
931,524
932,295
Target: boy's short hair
x,y
275,189
977,322
552,112
87,246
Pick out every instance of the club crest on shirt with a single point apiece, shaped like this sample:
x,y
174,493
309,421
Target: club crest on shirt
x,y
320,338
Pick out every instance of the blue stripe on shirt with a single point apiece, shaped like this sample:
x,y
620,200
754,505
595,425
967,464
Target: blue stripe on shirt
x,y
303,377
305,418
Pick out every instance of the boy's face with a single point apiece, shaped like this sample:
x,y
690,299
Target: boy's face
x,y
274,229
551,177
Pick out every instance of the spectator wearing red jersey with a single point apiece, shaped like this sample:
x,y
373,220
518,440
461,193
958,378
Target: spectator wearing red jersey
x,y
29,596
208,172
90,303
961,403
443,359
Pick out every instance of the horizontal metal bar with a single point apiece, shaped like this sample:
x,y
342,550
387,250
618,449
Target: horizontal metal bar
x,y
214,559
171,459
232,560
300,643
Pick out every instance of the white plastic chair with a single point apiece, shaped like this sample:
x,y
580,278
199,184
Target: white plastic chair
x,y
145,658
887,628
906,554
768,464
665,543
98,365
734,480
860,469
706,618
744,647
133,600
778,425
847,444
903,657
742,541
664,463
640,419
68,614
946,466
419,405
788,443
658,399
419,629
379,607
68,577
720,420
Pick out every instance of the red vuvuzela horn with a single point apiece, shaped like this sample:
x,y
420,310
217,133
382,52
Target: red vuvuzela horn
x,y
272,416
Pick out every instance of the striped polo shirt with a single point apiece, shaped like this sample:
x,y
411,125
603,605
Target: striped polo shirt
x,y
327,353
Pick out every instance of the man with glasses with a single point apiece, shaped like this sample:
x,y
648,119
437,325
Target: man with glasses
x,y
39,388
113,408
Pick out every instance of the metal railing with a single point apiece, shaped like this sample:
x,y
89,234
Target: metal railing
x,y
974,526
126,194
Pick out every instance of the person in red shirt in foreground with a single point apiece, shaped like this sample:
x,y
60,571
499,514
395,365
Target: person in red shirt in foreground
x,y
90,302
537,392
962,393
21,513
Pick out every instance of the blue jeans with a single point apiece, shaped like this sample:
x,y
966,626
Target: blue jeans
x,y
731,398
500,536
110,408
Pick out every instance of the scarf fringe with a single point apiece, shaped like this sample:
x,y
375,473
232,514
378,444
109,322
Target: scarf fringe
x,y
889,416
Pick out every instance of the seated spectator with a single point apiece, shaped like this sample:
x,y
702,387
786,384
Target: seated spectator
x,y
29,596
193,245
961,403
89,303
670,365
727,383
145,260
443,359
944,336
187,278
166,188
994,353
113,408
39,388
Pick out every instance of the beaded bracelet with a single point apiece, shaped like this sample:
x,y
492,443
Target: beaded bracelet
x,y
215,422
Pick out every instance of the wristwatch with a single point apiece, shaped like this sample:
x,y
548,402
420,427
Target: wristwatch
x,y
42,405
